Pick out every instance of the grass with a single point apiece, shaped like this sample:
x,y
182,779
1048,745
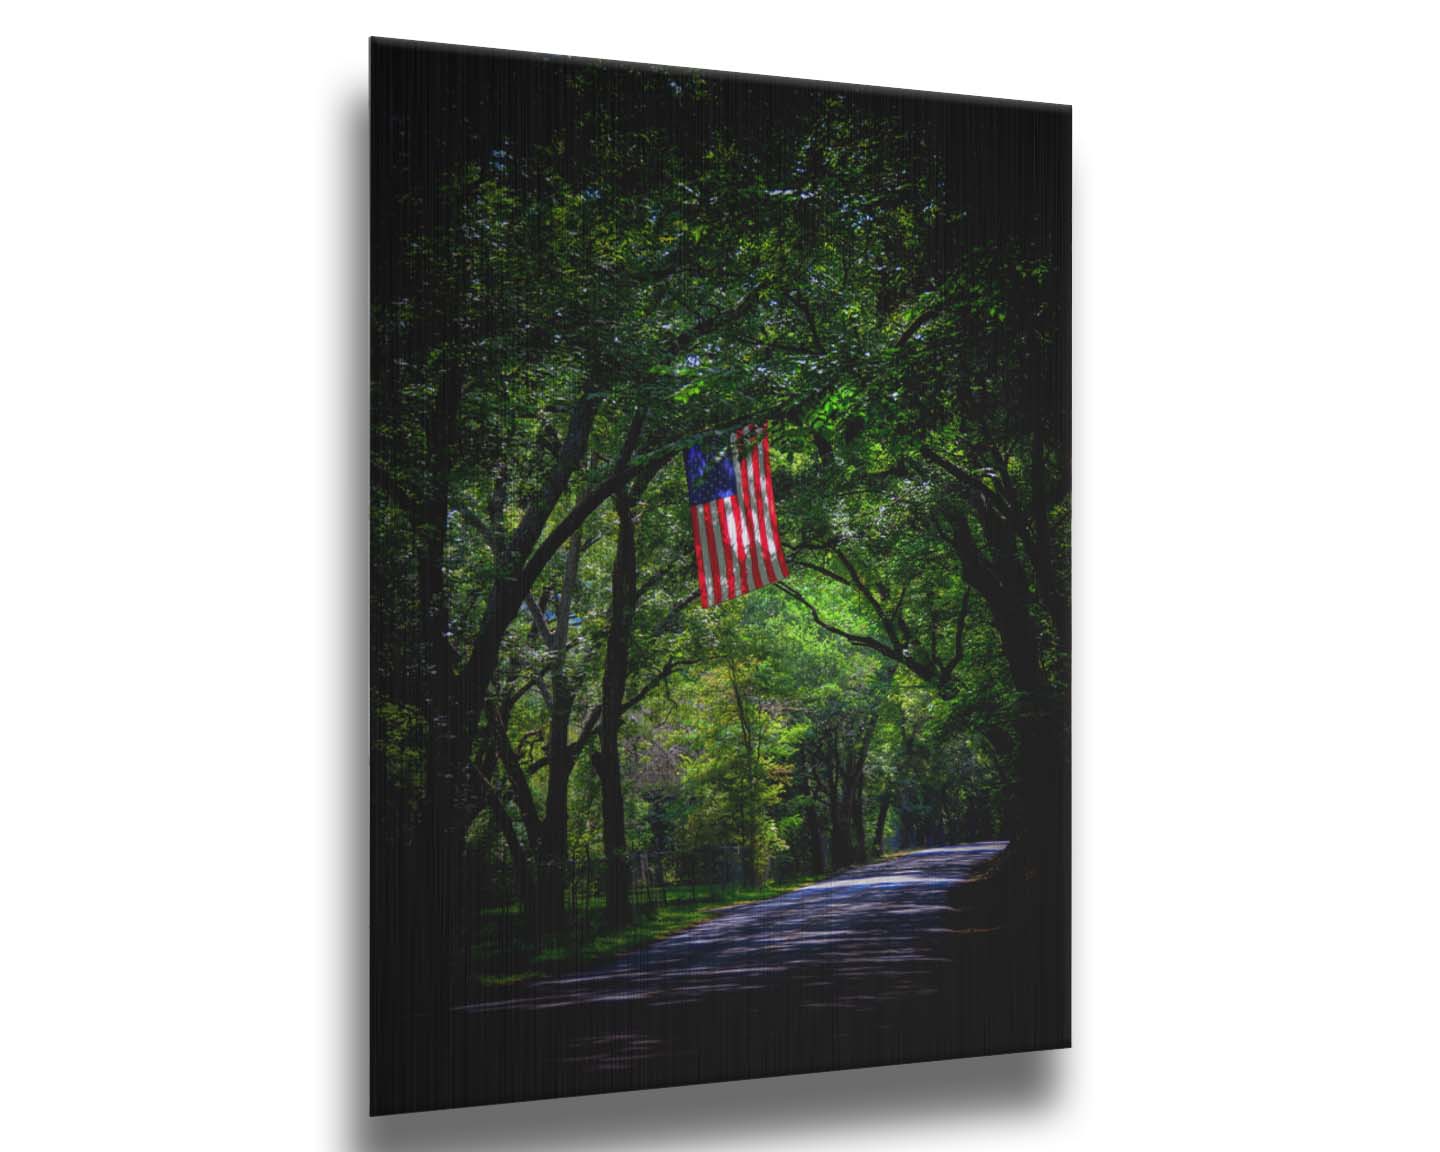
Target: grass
x,y
504,956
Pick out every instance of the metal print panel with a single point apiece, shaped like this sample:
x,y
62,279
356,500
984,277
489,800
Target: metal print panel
x,y
720,539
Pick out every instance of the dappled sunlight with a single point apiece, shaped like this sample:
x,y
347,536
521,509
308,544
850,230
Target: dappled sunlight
x,y
863,937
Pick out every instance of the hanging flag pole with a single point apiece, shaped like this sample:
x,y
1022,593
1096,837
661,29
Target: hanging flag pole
x,y
732,514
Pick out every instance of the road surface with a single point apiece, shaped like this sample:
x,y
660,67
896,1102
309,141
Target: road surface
x,y
875,965
883,921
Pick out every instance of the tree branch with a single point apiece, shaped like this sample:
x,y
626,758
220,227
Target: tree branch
x,y
854,638
591,500
915,325
875,605
954,661
835,576
591,723
688,339
519,785
672,666
537,621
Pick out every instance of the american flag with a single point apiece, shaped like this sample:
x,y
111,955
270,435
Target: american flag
x,y
732,511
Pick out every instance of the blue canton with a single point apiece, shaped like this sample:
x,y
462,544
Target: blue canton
x,y
710,473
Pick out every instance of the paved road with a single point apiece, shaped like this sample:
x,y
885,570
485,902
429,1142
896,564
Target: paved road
x,y
877,920
868,966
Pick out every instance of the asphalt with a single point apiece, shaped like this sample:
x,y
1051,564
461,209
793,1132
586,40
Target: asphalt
x,y
877,921
879,964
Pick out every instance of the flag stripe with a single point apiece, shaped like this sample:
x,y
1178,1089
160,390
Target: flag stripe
x,y
707,584
722,513
743,507
717,539
739,532
712,567
770,506
761,574
737,544
699,559
717,552
733,518
742,544
766,547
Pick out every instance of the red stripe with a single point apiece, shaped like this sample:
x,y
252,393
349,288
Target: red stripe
x,y
717,592
717,550
699,562
709,554
770,499
717,539
722,513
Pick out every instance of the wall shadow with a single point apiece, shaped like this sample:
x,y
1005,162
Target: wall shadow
x,y
868,1100
350,401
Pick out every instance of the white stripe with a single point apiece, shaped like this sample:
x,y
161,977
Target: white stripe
x,y
755,480
774,520
756,540
734,525
719,584
704,535
767,506
743,510
752,523
722,515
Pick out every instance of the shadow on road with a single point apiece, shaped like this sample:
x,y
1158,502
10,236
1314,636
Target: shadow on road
x,y
878,922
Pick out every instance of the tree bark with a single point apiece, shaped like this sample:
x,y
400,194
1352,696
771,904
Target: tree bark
x,y
812,823
855,809
612,704
1042,725
880,822
841,855
555,829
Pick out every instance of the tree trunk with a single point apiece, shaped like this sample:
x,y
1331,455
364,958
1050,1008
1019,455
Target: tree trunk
x,y
855,810
857,757
813,831
1041,727
519,861
880,822
555,832
612,704
439,842
840,853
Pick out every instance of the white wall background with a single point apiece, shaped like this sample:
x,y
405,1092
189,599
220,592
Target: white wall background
x,y
182,478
